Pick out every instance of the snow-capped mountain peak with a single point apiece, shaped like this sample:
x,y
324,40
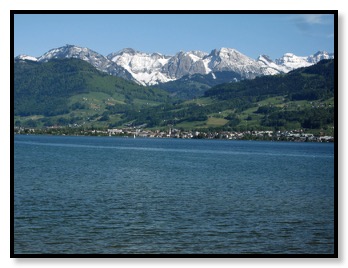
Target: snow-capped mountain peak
x,y
145,68
97,60
71,51
229,59
320,55
290,61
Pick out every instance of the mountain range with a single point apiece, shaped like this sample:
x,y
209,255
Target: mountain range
x,y
153,69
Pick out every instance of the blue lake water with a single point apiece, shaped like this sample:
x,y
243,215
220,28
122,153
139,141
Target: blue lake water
x,y
101,195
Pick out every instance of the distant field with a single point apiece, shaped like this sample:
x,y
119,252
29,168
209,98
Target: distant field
x,y
216,122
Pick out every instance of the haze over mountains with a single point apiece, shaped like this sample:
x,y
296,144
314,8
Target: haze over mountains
x,y
152,69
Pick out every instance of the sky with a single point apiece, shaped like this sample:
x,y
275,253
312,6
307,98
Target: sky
x,y
251,34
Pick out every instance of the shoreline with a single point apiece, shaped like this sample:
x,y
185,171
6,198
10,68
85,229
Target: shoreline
x,y
282,136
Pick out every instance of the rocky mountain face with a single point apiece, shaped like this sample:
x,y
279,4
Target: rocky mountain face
x,y
155,68
185,63
146,69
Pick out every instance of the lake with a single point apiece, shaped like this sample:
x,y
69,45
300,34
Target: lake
x,y
107,195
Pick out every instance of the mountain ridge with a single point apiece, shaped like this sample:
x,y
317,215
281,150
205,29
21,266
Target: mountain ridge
x,y
156,68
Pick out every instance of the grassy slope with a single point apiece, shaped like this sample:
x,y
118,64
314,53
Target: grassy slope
x,y
75,91
218,120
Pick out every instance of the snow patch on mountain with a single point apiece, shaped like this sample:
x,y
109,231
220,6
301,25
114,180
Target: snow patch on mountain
x,y
150,79
26,57
269,67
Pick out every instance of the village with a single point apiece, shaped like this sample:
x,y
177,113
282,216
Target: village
x,y
294,135
132,132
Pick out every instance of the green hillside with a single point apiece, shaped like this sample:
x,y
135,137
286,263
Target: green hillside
x,y
311,83
72,88
73,93
194,86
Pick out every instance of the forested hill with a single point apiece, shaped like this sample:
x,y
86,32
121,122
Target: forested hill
x,y
310,83
194,86
45,88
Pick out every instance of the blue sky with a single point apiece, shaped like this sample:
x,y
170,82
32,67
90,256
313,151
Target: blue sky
x,y
270,34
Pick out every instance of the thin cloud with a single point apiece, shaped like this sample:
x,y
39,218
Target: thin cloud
x,y
316,25
313,18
